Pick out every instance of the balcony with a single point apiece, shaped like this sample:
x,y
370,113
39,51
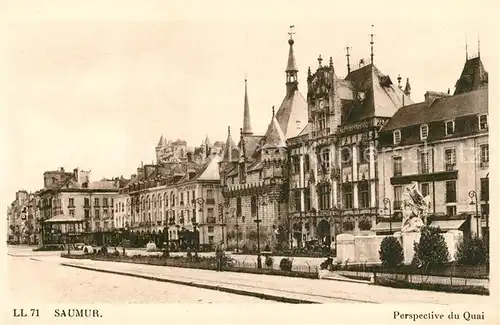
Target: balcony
x,y
484,164
450,167
210,201
211,219
428,177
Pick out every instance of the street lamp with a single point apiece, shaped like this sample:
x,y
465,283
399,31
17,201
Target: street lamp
x,y
473,201
200,202
257,220
387,203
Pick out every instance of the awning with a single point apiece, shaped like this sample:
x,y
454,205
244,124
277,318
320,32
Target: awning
x,y
61,218
386,226
447,224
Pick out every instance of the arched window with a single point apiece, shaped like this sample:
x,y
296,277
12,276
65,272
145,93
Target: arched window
x,y
148,201
154,201
165,198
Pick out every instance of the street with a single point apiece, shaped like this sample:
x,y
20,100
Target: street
x,y
37,276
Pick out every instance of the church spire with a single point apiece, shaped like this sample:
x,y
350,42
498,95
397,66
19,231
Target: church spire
x,y
371,45
247,126
291,67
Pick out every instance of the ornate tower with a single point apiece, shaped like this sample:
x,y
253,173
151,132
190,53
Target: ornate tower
x,y
247,125
291,67
274,151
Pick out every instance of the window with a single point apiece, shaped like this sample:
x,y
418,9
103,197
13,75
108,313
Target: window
x,y
347,195
307,199
451,191
182,198
238,206
295,164
451,210
364,154
159,201
363,194
210,194
398,192
210,215
449,127
306,163
450,159
97,213
424,163
326,158
253,205
96,202
210,229
193,195
483,122
485,189
71,202
346,156
485,155
396,136
424,131
321,121
72,213
297,199
187,197
424,189
324,196
211,240
105,201
87,214
397,166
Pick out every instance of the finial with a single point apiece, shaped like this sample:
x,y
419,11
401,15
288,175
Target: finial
x,y
309,71
348,55
371,44
466,50
273,110
478,46
228,130
241,133
331,62
448,91
399,81
319,60
291,33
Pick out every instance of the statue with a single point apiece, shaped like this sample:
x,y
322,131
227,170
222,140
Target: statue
x,y
414,207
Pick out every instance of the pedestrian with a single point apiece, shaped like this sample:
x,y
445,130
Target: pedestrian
x,y
219,255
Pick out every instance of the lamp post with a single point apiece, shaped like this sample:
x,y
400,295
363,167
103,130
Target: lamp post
x,y
200,202
473,201
257,221
387,203
290,230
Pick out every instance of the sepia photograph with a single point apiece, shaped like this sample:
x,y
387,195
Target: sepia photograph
x,y
190,156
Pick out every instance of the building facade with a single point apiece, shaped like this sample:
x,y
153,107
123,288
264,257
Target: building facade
x,y
22,216
442,143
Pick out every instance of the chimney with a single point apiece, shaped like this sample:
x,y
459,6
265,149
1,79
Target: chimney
x,y
190,156
76,174
431,96
139,172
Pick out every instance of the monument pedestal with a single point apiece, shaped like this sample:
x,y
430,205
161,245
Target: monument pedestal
x,y
407,240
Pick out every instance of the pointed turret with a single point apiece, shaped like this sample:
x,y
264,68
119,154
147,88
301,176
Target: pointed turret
x,y
247,126
161,142
291,67
274,138
230,150
473,77
407,87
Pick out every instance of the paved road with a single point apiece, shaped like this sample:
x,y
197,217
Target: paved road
x,y
45,280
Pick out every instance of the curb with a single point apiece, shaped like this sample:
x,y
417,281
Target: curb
x,y
346,280
202,286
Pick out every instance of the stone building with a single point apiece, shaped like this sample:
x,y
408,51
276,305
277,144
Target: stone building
x,y
254,174
174,202
22,219
442,143
73,205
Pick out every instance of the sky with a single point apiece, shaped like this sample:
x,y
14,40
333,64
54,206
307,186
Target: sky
x,y
93,84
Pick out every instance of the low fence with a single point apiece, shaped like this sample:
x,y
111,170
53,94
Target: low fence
x,y
231,265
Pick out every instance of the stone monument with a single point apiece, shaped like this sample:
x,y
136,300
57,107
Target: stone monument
x,y
414,207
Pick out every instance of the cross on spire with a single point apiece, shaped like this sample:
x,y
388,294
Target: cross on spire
x,y
291,32
371,44
319,60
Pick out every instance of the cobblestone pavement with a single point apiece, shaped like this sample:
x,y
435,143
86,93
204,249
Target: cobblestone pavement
x,y
31,281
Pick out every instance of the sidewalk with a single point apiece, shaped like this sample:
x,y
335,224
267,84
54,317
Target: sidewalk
x,y
292,289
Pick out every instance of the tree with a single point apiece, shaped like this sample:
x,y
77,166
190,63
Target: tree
x,y
472,251
391,252
281,237
431,250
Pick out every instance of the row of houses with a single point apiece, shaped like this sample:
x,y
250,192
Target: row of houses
x,y
334,161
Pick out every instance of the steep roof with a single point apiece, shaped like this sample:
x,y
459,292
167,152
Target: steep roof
x,y
231,152
292,114
470,103
377,95
473,77
210,170
274,137
247,125
291,64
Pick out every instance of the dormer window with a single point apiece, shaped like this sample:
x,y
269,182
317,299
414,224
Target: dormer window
x,y
483,121
424,131
396,136
449,127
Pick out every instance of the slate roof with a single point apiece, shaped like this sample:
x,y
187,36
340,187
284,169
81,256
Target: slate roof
x,y
274,137
293,108
473,77
381,97
291,64
474,102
